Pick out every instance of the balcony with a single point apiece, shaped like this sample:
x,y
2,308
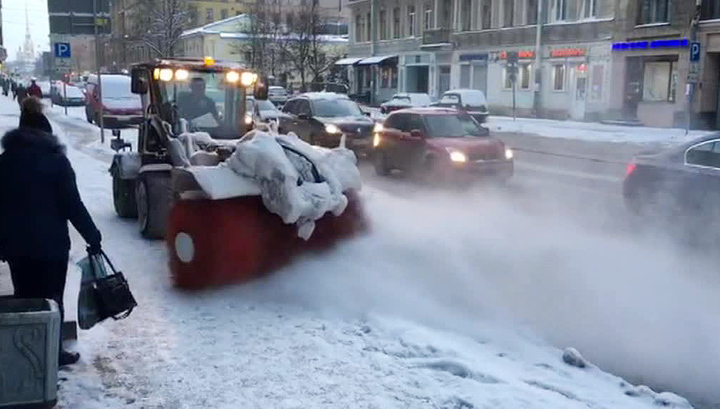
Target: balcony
x,y
436,37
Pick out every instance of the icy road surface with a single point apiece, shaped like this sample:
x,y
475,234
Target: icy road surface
x,y
443,305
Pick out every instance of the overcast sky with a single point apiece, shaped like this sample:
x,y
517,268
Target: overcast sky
x,y
13,25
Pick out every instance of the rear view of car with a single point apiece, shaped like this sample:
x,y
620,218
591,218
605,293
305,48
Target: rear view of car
x,y
120,106
277,95
471,101
405,100
68,95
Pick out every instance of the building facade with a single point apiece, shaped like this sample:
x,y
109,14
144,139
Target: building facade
x,y
3,51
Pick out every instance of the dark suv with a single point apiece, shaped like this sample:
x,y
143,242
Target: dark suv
x,y
321,118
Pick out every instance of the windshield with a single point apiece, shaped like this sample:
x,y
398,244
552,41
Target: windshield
x,y
399,99
266,106
452,126
277,91
206,101
450,99
117,87
334,108
72,92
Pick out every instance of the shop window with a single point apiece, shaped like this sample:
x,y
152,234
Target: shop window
x,y
385,77
508,13
411,21
507,79
531,11
223,14
394,78
465,76
428,17
396,22
710,10
653,11
558,77
660,81
598,79
558,10
466,15
525,75
486,14
383,24
589,8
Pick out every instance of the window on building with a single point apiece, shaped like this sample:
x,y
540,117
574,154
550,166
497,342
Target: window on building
x,y
508,13
589,8
507,78
394,79
486,14
359,28
531,12
558,77
368,27
223,14
209,15
710,10
653,11
660,81
429,23
411,21
382,16
558,11
525,75
466,15
396,23
385,75
194,15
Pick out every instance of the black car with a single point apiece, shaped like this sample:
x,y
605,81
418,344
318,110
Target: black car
x,y
679,184
471,101
321,118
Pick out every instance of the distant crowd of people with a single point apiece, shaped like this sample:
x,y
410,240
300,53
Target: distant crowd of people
x,y
19,90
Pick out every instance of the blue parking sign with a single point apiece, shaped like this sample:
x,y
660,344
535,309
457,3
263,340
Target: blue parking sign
x,y
62,50
694,51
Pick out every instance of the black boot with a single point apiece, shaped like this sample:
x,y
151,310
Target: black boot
x,y
68,358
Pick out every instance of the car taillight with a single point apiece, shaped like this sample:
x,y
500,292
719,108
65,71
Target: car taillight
x,y
630,169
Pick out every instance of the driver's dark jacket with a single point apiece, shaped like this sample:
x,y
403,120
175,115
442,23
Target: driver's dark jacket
x,y
192,107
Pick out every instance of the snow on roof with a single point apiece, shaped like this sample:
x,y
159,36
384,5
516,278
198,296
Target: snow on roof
x,y
212,28
324,95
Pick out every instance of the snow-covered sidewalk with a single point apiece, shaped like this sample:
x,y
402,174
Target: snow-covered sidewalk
x,y
380,323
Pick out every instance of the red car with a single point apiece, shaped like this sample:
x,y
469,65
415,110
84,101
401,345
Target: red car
x,y
443,142
121,108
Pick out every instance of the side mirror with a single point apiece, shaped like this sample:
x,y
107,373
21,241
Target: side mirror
x,y
417,134
261,89
304,116
368,114
139,83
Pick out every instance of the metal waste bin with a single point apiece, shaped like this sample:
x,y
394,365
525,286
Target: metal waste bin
x,y
29,334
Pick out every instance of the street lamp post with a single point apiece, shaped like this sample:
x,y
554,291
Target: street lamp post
x,y
97,67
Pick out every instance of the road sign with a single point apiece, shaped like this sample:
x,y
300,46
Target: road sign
x,y
693,78
62,50
695,51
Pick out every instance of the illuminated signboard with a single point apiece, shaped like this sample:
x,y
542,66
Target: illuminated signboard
x,y
568,52
648,45
521,54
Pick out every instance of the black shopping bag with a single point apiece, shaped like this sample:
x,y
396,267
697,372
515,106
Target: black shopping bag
x,y
103,293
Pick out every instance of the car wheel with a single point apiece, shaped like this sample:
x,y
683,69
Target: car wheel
x,y
153,196
380,163
88,116
311,139
124,197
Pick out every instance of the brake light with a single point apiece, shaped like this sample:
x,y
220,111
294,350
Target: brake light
x,y
630,169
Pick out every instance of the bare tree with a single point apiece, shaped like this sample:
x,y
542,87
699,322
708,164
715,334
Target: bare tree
x,y
161,22
263,29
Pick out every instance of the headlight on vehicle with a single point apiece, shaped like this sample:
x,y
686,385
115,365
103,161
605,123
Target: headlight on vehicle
x,y
509,153
332,129
376,140
248,120
378,127
457,156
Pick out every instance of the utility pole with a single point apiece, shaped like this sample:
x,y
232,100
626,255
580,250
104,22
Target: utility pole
x,y
694,65
97,67
373,45
537,96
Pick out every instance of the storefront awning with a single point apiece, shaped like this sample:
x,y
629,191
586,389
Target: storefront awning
x,y
347,61
376,60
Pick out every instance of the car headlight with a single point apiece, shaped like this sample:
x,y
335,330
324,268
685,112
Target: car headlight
x,y
376,140
378,127
457,156
509,153
332,129
248,120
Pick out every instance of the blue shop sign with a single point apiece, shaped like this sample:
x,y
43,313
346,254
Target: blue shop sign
x,y
473,57
649,45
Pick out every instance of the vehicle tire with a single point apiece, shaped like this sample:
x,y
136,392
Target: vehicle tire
x,y
153,197
124,197
88,116
311,139
380,163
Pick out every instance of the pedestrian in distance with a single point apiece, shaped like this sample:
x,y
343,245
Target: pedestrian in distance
x,y
21,94
38,196
34,89
6,86
13,88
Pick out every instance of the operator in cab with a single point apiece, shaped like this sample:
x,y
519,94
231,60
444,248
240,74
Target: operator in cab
x,y
196,103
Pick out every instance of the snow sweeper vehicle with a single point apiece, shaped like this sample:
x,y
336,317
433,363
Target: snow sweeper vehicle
x,y
231,204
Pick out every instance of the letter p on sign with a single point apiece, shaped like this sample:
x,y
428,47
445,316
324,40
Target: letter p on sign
x,y
62,50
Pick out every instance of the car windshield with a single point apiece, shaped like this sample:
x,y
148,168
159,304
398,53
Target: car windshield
x,y
206,101
334,108
266,106
277,91
400,99
72,92
450,99
117,87
452,126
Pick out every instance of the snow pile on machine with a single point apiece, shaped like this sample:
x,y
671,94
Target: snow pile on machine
x,y
273,199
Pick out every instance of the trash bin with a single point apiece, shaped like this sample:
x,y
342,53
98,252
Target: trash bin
x,y
29,332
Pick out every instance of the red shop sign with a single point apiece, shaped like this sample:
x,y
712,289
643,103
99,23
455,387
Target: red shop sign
x,y
521,54
568,52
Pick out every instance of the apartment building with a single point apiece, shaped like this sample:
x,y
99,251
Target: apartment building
x,y
203,12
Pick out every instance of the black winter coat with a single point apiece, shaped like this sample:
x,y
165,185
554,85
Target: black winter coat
x,y
38,196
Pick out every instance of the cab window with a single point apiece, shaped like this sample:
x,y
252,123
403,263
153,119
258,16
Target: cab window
x,y
290,107
397,121
303,107
415,122
706,154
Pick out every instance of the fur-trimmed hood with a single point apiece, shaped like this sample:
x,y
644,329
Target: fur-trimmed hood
x,y
29,138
